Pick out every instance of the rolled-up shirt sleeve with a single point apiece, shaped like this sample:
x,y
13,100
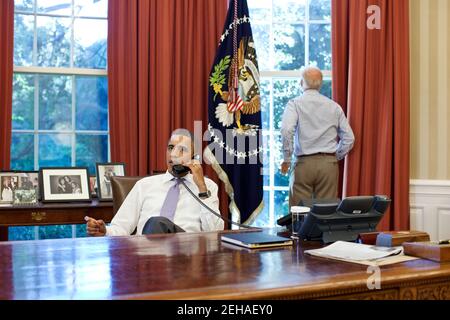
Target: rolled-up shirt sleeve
x,y
127,217
288,130
210,222
346,136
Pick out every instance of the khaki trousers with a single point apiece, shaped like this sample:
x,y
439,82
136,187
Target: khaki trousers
x,y
314,177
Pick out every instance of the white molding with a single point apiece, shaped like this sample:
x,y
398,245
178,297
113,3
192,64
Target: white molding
x,y
430,207
62,71
291,74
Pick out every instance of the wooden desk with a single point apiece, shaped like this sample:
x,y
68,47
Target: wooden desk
x,y
199,266
52,214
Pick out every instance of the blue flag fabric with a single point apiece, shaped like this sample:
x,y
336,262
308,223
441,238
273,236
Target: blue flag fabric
x,y
234,116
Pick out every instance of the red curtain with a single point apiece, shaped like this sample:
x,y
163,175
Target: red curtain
x,y
6,79
371,83
160,54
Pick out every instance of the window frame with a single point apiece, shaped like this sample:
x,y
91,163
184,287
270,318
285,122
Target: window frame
x,y
70,71
273,75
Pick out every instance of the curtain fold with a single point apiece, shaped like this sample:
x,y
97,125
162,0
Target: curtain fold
x,y
6,80
159,58
371,83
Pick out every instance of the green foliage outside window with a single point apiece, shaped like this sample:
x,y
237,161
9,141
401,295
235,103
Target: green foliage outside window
x,y
62,119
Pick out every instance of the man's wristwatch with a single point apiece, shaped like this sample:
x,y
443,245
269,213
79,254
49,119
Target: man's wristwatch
x,y
204,195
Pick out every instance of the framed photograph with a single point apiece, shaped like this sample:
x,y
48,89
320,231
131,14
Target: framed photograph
x,y
93,186
25,197
104,173
29,180
64,184
9,181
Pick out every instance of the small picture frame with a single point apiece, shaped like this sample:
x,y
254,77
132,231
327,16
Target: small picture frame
x,y
9,181
25,197
64,184
29,180
93,186
104,173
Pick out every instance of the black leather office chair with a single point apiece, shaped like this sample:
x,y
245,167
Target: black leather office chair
x,y
121,186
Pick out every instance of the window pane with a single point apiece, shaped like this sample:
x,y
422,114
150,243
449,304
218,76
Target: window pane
x,y
260,10
263,220
280,179
289,46
60,7
261,35
90,47
24,5
53,41
22,152
23,102
265,103
92,103
23,40
21,233
266,159
91,8
91,149
281,204
283,91
327,89
320,10
55,232
81,231
289,10
55,150
55,102
320,45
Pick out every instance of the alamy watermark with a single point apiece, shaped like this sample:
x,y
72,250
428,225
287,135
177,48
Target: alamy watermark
x,y
374,19
374,281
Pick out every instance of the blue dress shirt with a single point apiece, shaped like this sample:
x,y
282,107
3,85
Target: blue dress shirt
x,y
312,123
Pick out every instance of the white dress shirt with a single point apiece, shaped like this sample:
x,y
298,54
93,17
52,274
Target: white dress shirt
x,y
145,200
312,123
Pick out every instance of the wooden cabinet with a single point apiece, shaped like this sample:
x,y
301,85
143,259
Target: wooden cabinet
x,y
52,214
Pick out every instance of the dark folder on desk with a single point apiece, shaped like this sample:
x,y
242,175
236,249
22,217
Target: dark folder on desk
x,y
255,240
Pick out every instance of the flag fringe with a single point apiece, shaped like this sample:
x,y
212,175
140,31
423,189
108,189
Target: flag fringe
x,y
235,212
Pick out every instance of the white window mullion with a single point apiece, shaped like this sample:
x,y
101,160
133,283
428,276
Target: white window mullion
x,y
74,231
307,60
34,54
272,156
73,135
72,36
36,122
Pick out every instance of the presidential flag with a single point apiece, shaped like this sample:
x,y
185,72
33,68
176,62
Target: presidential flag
x,y
234,114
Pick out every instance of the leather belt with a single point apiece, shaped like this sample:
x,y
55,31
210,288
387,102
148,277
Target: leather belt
x,y
318,154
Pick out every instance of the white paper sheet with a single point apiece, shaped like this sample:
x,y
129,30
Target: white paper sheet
x,y
355,251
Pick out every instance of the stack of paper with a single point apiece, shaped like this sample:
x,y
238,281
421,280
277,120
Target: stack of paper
x,y
361,253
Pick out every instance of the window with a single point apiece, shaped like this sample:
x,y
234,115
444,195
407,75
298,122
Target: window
x,y
60,92
288,34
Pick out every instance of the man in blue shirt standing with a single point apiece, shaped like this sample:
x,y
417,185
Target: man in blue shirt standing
x,y
317,132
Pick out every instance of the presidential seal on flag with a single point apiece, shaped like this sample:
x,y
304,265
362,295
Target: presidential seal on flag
x,y
243,96
234,114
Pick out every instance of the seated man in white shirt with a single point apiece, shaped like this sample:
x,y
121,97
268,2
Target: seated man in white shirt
x,y
159,200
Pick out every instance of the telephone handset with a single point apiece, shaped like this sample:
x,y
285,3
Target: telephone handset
x,y
179,170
